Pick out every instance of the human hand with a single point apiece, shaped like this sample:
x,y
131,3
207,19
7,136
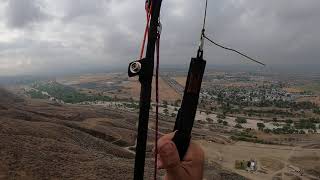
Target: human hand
x,y
190,168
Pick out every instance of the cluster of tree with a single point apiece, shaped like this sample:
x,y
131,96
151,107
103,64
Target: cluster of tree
x,y
225,123
316,110
165,104
297,128
261,126
284,130
66,93
132,105
37,94
166,111
238,126
221,116
306,124
248,137
242,97
306,105
279,112
241,120
209,120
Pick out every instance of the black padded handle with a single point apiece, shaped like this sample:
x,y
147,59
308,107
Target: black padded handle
x,y
187,112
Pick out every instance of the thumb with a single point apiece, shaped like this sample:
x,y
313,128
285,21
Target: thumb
x,y
168,155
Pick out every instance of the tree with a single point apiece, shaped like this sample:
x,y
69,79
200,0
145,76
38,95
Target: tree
x,y
316,111
220,121
241,120
302,132
225,123
173,115
274,119
261,126
289,121
166,111
238,126
177,102
210,120
221,116
266,130
207,112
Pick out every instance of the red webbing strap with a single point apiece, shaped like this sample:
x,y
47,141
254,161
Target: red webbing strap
x,y
157,109
148,11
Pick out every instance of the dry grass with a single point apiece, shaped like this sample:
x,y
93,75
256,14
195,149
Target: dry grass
x,y
86,78
165,91
271,164
292,90
181,80
315,100
271,157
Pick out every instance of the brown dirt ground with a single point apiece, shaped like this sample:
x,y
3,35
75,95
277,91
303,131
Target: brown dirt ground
x,y
181,80
315,100
293,90
165,91
86,78
271,158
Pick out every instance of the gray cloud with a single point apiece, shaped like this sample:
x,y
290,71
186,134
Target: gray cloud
x,y
104,33
21,13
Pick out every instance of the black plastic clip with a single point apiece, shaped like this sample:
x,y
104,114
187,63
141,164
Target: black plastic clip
x,y
136,67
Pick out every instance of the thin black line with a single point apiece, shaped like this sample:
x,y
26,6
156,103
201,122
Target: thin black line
x,y
230,49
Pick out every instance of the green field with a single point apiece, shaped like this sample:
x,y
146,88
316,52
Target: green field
x,y
62,92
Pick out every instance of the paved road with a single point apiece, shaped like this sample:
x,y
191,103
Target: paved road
x,y
173,84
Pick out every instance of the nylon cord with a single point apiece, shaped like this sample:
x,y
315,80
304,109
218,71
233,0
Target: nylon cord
x,y
157,109
230,49
148,11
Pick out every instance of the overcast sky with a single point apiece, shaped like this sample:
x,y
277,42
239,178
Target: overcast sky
x,y
62,35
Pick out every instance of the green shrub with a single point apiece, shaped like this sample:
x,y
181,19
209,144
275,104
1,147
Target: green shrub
x,y
261,126
221,116
238,126
241,120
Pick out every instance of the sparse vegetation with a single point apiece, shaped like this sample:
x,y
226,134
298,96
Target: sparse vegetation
x,y
289,121
238,126
37,94
241,120
305,124
248,137
166,111
316,111
221,116
225,123
261,126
